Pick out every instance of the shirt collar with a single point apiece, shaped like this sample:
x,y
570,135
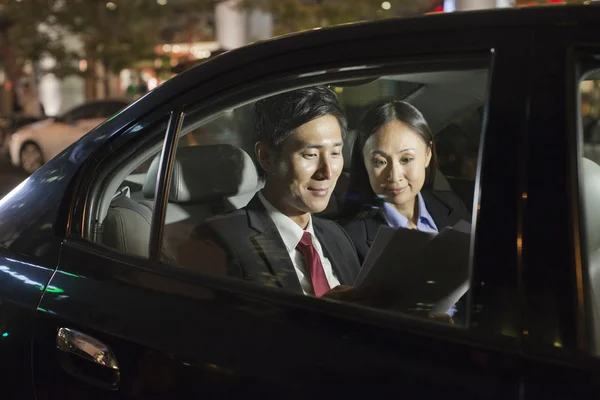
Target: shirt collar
x,y
289,231
424,216
396,220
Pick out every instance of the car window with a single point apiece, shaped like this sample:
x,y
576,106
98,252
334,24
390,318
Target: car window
x,y
219,219
223,128
264,192
125,220
589,92
457,147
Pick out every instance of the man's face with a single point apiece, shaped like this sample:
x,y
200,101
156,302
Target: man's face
x,y
301,178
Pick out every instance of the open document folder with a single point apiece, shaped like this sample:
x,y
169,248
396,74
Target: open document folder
x,y
419,268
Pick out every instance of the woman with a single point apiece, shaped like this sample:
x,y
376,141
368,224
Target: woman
x,y
391,182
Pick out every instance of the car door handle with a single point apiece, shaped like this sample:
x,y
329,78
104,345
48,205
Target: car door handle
x,y
92,350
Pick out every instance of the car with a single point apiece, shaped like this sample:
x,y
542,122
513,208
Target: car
x,y
32,145
10,124
97,299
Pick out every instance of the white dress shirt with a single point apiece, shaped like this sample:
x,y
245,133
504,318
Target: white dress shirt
x,y
291,234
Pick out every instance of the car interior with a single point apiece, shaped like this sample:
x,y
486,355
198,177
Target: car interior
x,y
590,192
591,124
590,183
214,171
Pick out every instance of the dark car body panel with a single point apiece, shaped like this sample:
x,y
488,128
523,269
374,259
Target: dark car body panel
x,y
265,346
177,334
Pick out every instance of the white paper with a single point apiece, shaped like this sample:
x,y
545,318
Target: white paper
x,y
421,267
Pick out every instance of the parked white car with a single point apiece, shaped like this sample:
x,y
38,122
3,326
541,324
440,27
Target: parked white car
x,y
33,145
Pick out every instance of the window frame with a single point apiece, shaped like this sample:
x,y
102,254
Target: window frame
x,y
455,62
165,172
120,152
582,60
561,53
306,76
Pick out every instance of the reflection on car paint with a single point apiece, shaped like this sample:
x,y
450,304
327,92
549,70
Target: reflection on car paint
x,y
24,279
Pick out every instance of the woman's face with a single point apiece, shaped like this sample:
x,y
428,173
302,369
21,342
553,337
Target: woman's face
x,y
396,158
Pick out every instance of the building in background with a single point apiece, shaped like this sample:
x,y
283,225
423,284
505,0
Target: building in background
x,y
187,39
236,28
58,95
467,5
233,27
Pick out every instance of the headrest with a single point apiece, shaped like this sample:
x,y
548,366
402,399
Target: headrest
x,y
590,189
203,173
348,149
440,183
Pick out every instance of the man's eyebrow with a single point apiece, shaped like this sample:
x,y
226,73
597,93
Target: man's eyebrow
x,y
320,146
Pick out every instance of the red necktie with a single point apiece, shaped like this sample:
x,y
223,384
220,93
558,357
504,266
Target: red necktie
x,y
313,264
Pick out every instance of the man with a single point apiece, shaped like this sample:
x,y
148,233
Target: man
x,y
274,240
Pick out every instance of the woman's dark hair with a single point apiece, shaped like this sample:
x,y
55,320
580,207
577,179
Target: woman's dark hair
x,y
276,117
360,193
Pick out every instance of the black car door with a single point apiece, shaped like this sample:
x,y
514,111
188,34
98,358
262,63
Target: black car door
x,y
123,327
560,299
24,281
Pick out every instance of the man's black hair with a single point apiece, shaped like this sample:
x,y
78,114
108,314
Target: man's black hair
x,y
276,117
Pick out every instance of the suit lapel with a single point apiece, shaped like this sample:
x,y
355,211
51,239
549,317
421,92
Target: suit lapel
x,y
270,247
438,209
333,251
372,226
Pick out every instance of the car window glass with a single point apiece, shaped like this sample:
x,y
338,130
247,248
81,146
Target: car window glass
x,y
457,147
216,222
589,91
125,224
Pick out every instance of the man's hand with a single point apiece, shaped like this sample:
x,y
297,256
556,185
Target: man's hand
x,y
337,292
442,317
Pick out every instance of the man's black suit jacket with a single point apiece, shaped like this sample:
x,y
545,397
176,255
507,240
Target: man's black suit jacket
x,y
255,250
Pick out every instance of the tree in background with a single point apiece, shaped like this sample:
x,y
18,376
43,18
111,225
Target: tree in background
x,y
121,33
24,39
118,33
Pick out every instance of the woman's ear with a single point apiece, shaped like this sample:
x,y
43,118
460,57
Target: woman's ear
x,y
428,154
264,156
